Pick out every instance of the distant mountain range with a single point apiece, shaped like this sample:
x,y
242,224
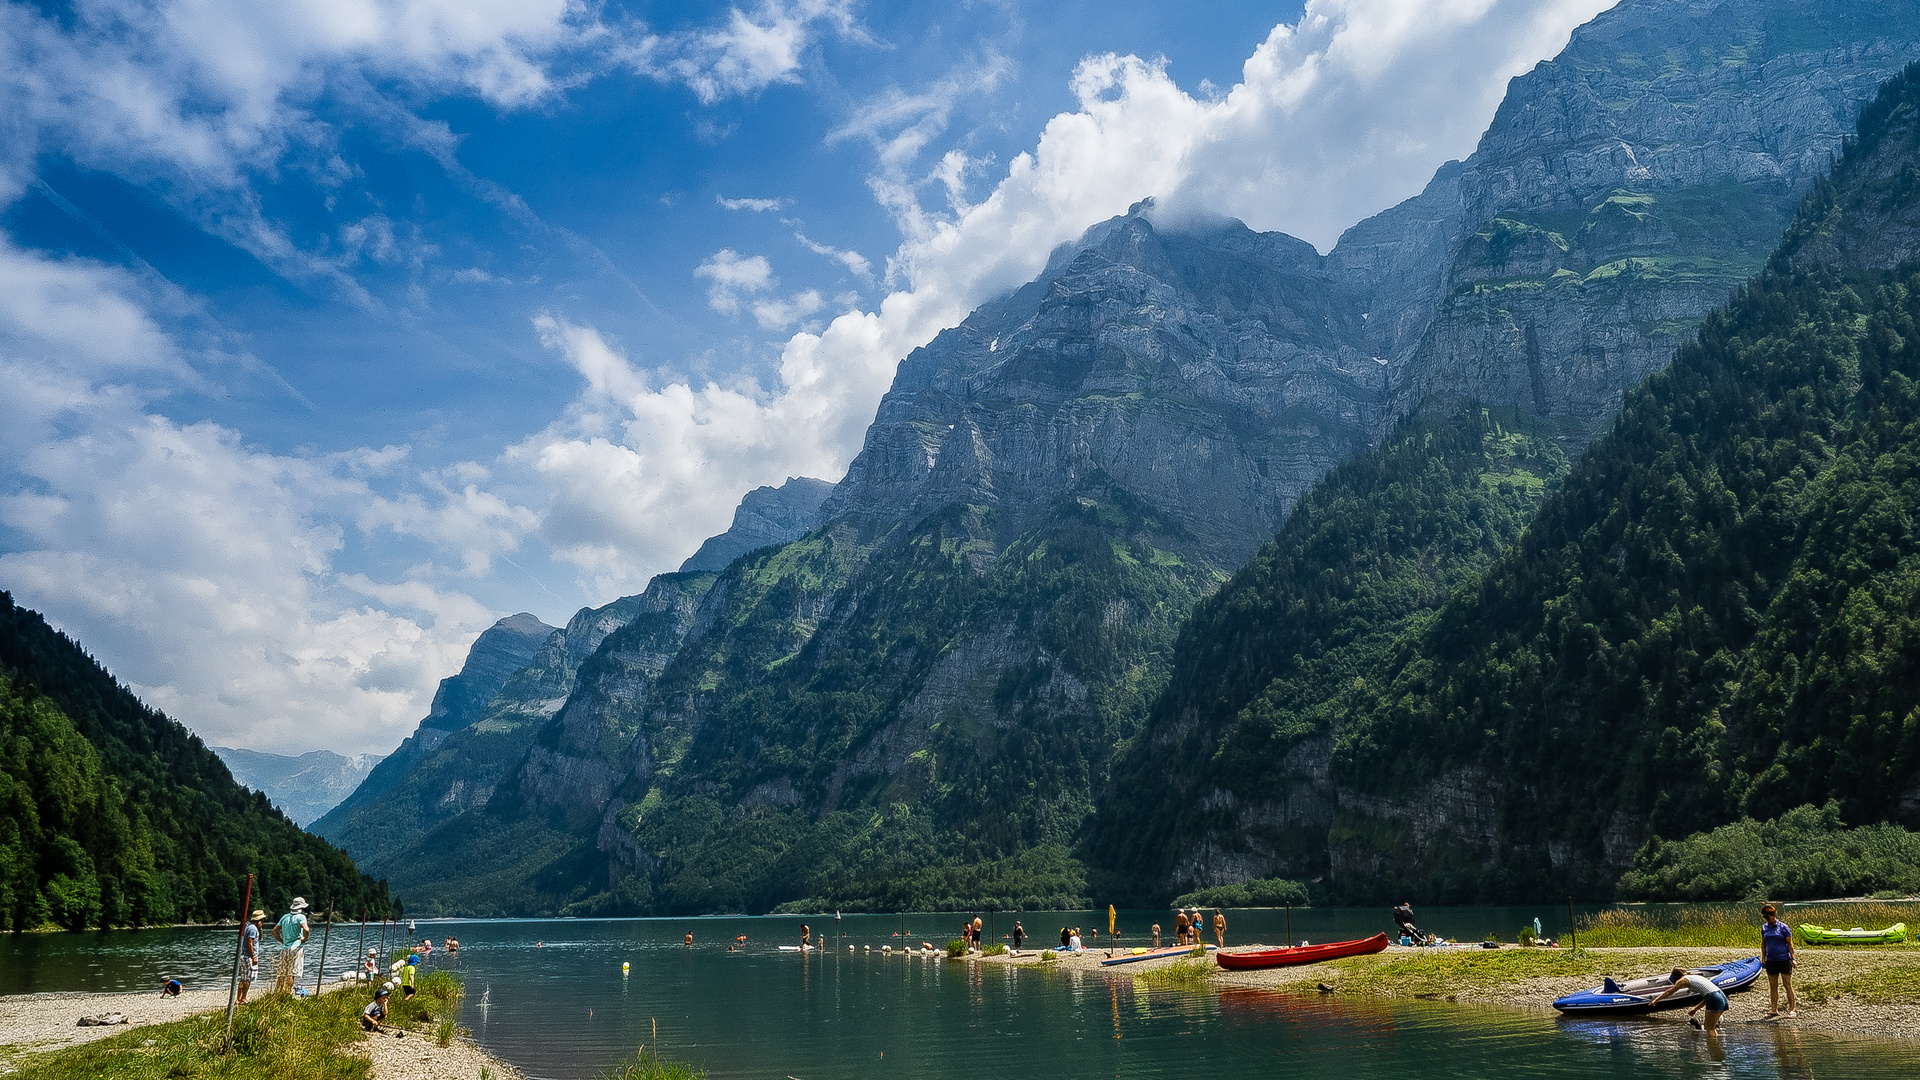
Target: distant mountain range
x,y
303,787
974,671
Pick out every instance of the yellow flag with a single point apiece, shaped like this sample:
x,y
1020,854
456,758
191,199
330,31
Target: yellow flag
x,y
1110,920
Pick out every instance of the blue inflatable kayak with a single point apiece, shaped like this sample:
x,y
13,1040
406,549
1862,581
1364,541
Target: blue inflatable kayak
x,y
1637,995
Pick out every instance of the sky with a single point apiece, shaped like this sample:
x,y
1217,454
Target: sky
x,y
332,331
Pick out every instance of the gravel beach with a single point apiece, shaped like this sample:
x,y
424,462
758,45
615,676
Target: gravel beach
x,y
36,1023
1840,1014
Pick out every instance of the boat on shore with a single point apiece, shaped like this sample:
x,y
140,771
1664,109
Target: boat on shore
x,y
1823,935
1292,955
1137,955
1636,995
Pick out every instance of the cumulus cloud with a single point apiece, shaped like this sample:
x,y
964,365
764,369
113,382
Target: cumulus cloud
x,y
1338,115
201,569
746,55
733,274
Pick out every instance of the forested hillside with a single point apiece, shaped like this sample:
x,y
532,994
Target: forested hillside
x,y
1717,614
1264,665
111,814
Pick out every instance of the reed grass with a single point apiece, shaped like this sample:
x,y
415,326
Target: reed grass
x,y
1180,973
648,1066
1733,926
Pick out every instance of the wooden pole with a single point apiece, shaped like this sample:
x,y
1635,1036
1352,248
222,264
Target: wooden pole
x,y
324,936
383,945
360,950
1289,924
239,952
1571,935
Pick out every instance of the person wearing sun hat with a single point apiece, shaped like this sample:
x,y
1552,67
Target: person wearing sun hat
x,y
250,953
291,932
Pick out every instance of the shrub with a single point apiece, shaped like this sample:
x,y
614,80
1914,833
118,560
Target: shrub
x,y
1049,954
1264,892
956,948
995,949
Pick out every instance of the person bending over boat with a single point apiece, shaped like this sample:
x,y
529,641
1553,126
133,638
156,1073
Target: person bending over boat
x,y
1712,998
1776,957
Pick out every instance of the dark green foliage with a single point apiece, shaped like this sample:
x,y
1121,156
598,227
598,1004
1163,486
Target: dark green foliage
x,y
1804,854
1262,892
111,814
1273,658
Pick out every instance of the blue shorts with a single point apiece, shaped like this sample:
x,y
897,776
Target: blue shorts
x,y
1717,1001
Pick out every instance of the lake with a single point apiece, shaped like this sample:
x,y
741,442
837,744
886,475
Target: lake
x,y
549,996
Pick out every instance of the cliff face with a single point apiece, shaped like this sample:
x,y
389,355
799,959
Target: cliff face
x,y
1623,189
1210,371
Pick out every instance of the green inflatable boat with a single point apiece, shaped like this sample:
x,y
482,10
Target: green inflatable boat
x,y
1821,935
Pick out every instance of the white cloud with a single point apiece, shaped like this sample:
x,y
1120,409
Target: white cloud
x,y
757,206
781,314
748,54
852,260
205,571
1337,116
733,274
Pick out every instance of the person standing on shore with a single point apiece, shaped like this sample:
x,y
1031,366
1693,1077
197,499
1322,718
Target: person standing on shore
x,y
1776,956
1019,935
250,953
979,929
1180,928
1219,928
291,932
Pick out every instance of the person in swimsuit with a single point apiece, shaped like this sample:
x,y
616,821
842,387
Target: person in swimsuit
x,y
1019,935
1219,928
1776,956
1712,998
806,937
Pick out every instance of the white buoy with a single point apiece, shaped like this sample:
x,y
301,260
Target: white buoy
x,y
624,966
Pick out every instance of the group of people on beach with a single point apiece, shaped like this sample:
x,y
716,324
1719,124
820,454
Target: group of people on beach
x,y
291,931
1776,959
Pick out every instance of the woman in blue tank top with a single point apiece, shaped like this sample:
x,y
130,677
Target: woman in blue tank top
x,y
1776,955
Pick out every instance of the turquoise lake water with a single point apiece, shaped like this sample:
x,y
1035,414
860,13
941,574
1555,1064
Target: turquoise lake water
x,y
549,996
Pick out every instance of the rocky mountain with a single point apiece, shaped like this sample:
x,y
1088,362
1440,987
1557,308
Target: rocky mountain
x,y
1713,616
938,675
766,515
303,787
501,651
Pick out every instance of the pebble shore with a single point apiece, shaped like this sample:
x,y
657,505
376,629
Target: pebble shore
x,y
37,1023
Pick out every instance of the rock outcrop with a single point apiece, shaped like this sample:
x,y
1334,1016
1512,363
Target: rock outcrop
x,y
766,515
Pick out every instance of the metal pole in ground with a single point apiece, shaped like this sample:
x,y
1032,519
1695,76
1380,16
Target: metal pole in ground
x,y
326,934
1289,924
239,953
1571,935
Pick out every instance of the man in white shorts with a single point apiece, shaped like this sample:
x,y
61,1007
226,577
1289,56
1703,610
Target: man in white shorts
x,y
291,932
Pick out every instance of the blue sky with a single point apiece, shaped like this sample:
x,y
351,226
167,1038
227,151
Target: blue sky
x,y
332,331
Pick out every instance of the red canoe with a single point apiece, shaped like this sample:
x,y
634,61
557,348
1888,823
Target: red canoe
x,y
1300,954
